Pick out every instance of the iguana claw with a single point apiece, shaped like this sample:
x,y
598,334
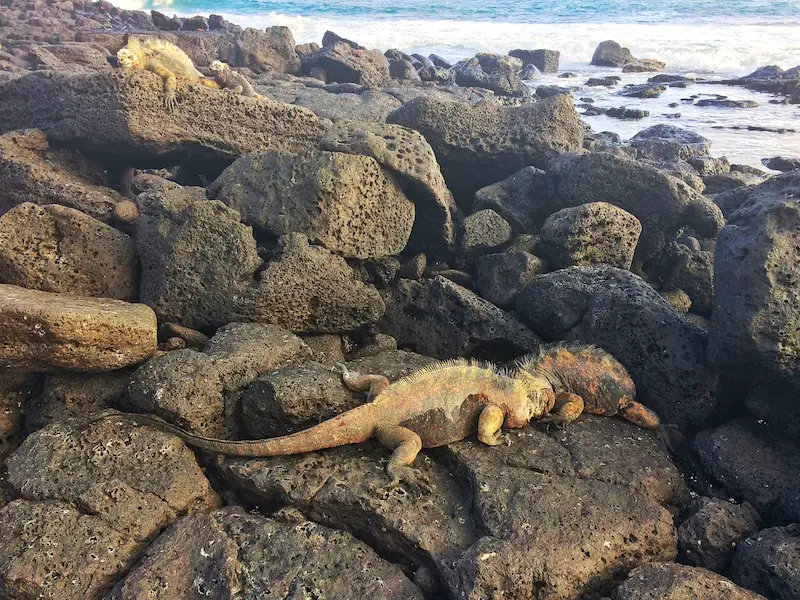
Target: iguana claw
x,y
417,481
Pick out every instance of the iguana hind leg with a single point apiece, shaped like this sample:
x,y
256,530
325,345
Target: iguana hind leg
x,y
356,382
490,425
405,445
638,413
568,407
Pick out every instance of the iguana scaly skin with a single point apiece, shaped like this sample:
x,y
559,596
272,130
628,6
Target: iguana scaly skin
x,y
231,80
449,401
164,59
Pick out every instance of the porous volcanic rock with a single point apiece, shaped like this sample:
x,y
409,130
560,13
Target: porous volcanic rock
x,y
58,249
669,581
42,331
768,562
501,276
439,318
232,553
33,172
591,233
480,145
344,202
663,351
269,51
611,54
512,198
120,117
342,63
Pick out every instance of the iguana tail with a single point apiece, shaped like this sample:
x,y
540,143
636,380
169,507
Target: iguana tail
x,y
347,428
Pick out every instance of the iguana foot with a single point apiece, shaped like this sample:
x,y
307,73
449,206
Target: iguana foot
x,y
496,439
560,421
414,479
169,101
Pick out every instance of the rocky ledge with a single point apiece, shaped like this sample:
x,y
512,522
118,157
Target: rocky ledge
x,y
211,264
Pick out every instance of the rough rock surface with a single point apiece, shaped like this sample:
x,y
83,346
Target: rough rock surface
x,y
41,331
209,128
342,63
755,320
409,156
657,581
768,563
692,271
344,202
58,249
500,277
269,51
583,235
643,65
611,54
199,390
504,519
749,462
480,145
663,351
32,172
229,553
198,260
502,81
544,60
511,198
483,231
84,494
661,202
708,538
439,318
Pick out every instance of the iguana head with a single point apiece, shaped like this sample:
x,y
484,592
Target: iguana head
x,y
217,66
127,58
541,397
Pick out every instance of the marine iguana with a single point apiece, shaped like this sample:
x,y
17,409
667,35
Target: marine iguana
x,y
231,80
164,59
449,401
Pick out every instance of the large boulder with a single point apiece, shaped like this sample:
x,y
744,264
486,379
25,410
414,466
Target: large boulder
x,y
755,322
662,203
480,145
341,63
208,129
58,249
669,581
235,553
544,60
198,260
749,462
42,331
200,390
411,160
591,233
270,51
344,202
34,172
663,351
439,318
511,198
769,563
611,54
502,81
500,277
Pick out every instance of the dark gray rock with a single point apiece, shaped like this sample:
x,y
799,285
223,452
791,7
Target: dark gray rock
x,y
269,51
438,61
530,73
512,198
632,114
342,63
707,165
693,272
643,65
620,312
437,74
769,563
664,143
544,60
403,70
500,277
781,163
726,103
505,82
610,81
588,234
483,231
708,537
756,310
548,91
669,581
661,202
478,146
438,318
235,553
723,182
750,462
330,38
643,90
611,54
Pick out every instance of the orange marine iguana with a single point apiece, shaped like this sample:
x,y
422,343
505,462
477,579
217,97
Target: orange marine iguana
x,y
164,59
449,401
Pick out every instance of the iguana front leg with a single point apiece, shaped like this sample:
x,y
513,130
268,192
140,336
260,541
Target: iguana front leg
x,y
405,445
490,425
568,407
170,82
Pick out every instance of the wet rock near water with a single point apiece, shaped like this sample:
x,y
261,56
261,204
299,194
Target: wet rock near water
x,y
767,562
675,582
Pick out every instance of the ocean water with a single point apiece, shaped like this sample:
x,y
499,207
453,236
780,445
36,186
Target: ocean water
x,y
714,39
